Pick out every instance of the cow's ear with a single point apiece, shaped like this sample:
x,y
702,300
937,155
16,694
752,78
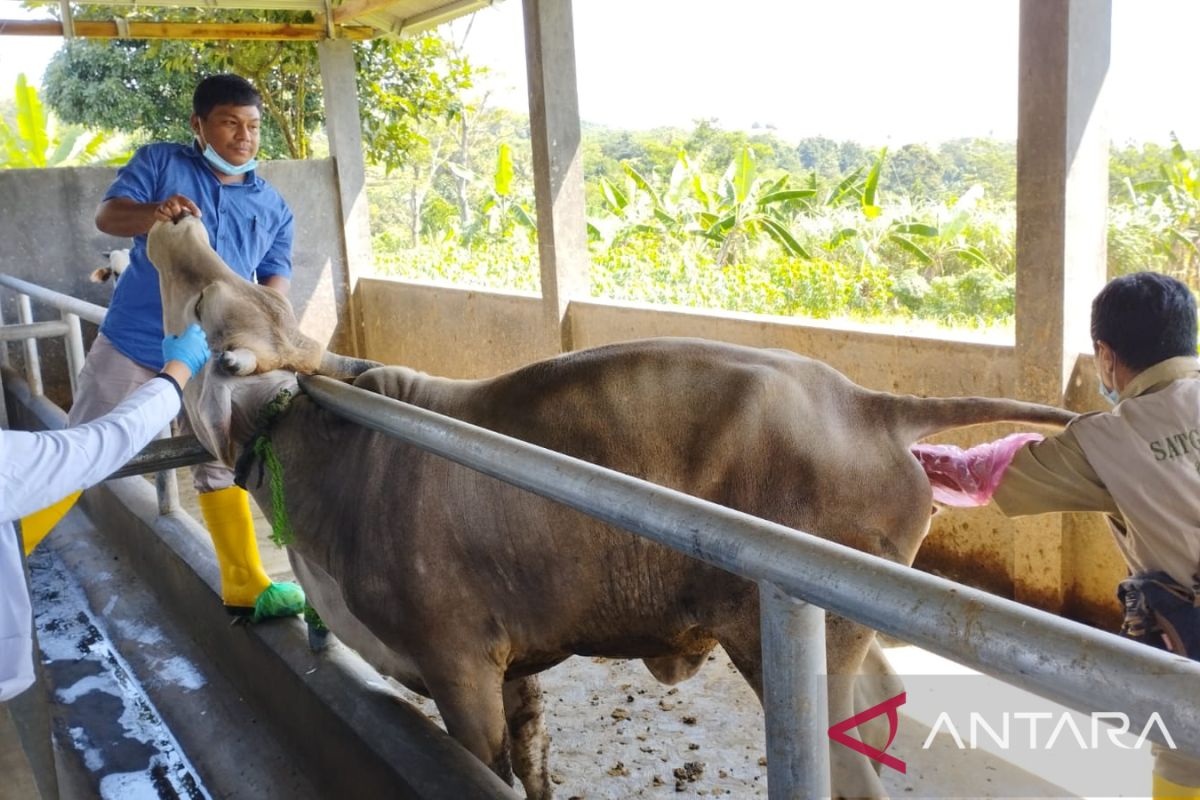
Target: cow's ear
x,y
208,399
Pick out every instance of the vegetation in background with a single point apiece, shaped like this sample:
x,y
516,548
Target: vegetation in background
x,y
738,220
32,138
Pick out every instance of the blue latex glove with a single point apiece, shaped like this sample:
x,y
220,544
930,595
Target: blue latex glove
x,y
191,348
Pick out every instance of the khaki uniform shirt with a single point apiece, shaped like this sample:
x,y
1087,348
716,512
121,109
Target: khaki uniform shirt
x,y
1139,464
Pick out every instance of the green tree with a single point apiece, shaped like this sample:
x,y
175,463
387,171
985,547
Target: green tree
x,y
145,88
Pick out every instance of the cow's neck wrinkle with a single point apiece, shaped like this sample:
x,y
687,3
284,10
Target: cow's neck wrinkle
x,y
268,415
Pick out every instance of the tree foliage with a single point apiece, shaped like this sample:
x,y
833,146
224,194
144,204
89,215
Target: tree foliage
x,y
144,88
32,138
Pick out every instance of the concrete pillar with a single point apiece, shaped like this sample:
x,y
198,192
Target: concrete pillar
x,y
1062,199
557,167
345,146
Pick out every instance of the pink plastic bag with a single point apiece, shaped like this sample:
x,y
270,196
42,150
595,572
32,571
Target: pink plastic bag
x,y
968,478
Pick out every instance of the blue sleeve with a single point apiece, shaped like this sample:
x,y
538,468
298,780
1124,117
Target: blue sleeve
x,y
278,260
138,179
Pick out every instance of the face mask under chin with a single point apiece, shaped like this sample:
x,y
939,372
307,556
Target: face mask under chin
x,y
221,165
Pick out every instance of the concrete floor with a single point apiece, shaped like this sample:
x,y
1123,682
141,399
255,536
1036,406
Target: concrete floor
x,y
138,709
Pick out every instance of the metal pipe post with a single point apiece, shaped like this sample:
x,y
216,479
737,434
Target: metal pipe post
x,y
4,359
795,696
166,484
33,367
75,354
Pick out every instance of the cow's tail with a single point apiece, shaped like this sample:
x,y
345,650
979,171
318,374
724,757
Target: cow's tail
x,y
914,418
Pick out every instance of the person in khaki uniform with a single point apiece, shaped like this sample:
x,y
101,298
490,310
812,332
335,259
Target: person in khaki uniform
x,y
1138,464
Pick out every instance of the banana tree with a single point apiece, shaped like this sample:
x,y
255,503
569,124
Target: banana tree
x,y
39,141
503,210
868,230
746,206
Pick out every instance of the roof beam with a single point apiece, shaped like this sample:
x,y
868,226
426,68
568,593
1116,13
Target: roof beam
x,y
253,5
356,9
94,29
353,9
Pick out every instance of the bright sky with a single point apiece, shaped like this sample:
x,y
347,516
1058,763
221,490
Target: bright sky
x,y
879,71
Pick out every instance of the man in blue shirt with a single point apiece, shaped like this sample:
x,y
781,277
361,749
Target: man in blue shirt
x,y
250,226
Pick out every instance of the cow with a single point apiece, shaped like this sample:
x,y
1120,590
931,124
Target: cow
x,y
117,261
251,327
465,588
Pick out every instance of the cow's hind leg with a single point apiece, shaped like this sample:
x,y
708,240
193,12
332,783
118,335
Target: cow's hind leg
x,y
470,700
530,745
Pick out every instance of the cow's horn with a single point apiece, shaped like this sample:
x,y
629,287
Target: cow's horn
x,y
343,367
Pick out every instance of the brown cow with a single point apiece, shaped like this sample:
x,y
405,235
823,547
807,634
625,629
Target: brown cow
x,y
464,587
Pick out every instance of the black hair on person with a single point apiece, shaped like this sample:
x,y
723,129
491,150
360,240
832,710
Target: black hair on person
x,y
1145,318
224,90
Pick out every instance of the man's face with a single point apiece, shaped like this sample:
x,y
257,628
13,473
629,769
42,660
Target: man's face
x,y
231,130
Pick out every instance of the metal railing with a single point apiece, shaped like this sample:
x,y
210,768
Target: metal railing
x,y
801,576
163,455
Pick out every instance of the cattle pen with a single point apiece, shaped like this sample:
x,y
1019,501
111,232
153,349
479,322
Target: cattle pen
x,y
800,577
327,729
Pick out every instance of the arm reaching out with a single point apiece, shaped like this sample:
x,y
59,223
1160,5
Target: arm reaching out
x,y
968,478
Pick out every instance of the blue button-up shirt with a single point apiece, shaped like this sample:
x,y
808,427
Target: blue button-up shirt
x,y
248,223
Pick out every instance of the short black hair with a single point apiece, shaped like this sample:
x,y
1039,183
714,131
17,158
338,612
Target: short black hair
x,y
1145,318
224,90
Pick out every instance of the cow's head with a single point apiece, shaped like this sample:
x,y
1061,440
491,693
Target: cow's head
x,y
252,328
186,265
223,409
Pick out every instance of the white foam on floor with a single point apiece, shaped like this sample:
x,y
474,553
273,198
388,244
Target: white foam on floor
x,y
69,632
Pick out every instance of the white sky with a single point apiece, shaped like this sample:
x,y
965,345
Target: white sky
x,y
878,71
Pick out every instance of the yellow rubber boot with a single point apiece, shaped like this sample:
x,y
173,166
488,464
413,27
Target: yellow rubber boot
x,y
1165,789
37,525
245,586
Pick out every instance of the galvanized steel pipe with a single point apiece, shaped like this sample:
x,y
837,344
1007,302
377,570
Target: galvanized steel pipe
x,y
32,330
63,302
795,700
33,364
1057,658
74,347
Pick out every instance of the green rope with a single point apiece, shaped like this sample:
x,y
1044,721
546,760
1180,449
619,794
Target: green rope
x,y
281,524
260,446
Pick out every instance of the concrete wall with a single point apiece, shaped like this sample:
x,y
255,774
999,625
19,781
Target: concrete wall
x,y
470,333
49,238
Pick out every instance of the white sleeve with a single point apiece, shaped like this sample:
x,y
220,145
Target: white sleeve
x,y
16,639
37,469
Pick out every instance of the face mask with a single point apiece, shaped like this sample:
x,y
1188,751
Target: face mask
x,y
1111,395
223,166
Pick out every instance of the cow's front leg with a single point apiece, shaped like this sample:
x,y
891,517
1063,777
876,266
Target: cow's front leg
x,y
529,743
470,698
